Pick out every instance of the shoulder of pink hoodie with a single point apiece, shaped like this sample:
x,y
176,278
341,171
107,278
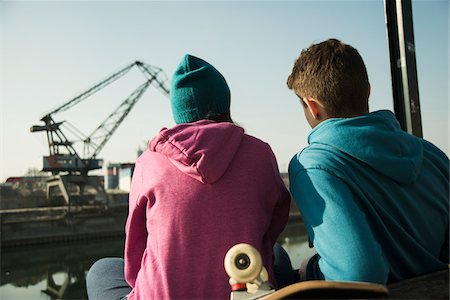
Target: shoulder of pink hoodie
x,y
199,189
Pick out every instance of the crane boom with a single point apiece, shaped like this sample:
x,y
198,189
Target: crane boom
x,y
106,129
157,74
93,89
62,154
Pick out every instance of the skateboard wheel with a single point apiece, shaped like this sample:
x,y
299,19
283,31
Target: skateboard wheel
x,y
243,263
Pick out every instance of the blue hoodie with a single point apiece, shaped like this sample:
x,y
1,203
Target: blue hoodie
x,y
374,200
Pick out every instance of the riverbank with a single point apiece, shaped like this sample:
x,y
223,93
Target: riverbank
x,y
30,226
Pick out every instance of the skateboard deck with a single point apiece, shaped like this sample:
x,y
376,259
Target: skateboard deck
x,y
249,280
315,289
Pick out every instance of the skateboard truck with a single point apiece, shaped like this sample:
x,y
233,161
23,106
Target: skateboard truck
x,y
248,276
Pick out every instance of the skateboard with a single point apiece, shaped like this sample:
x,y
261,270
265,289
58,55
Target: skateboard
x,y
249,280
321,289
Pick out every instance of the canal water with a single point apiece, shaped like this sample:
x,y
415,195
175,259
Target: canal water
x,y
58,271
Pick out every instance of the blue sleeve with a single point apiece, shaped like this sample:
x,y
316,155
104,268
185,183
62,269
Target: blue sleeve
x,y
346,247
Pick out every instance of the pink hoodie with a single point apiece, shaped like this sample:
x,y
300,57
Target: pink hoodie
x,y
197,191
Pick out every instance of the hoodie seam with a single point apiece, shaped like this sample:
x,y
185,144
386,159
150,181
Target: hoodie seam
x,y
389,151
193,163
181,150
321,168
198,150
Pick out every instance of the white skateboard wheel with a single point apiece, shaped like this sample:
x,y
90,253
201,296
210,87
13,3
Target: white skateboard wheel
x,y
243,263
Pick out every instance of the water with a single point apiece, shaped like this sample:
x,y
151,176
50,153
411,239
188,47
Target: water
x,y
297,249
59,271
52,271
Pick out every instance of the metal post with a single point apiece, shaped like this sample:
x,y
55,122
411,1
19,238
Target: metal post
x,y
402,54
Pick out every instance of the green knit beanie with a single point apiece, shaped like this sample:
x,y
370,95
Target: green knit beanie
x,y
198,91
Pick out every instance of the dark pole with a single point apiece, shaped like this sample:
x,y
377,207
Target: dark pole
x,y
402,55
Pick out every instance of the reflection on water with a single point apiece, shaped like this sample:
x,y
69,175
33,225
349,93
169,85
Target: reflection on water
x,y
297,249
52,271
59,271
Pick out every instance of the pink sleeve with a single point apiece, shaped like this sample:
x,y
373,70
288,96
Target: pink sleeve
x,y
280,215
135,229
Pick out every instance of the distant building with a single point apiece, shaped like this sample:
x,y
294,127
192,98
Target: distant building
x,y
112,176
125,174
118,176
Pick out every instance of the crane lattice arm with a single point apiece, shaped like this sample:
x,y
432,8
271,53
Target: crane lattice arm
x,y
69,160
155,73
93,89
105,130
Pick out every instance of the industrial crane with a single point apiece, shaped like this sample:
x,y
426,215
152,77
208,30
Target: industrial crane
x,y
63,158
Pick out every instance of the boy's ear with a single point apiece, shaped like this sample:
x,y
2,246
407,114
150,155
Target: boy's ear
x,y
313,106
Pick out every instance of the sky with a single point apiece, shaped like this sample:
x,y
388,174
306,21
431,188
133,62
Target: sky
x,y
52,51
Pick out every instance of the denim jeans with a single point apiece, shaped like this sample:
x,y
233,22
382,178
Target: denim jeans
x,y
106,280
282,267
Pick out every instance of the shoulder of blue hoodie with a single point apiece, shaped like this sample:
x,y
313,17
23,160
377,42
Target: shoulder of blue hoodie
x,y
341,155
377,141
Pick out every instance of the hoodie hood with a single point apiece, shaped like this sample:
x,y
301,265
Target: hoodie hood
x,y
202,150
375,139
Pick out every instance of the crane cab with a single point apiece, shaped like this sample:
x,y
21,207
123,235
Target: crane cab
x,y
70,163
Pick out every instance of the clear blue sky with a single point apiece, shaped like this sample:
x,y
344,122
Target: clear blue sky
x,y
52,51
